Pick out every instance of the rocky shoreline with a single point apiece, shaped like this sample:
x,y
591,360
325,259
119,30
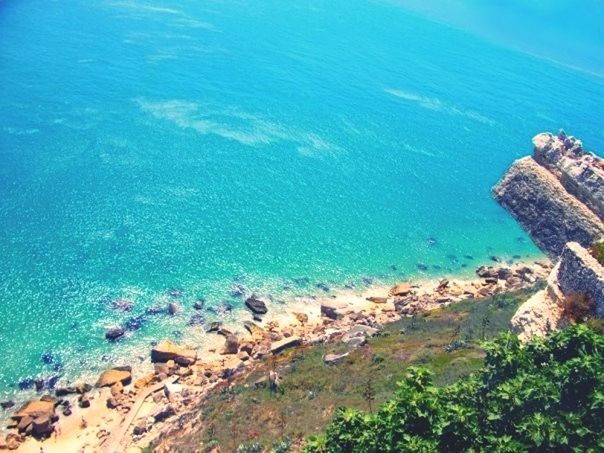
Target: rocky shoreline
x,y
122,412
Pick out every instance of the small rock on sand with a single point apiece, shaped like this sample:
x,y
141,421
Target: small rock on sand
x,y
401,289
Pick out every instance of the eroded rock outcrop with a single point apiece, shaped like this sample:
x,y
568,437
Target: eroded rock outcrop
x,y
535,190
557,195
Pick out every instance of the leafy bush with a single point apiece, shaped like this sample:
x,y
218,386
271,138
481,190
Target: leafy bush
x,y
597,250
578,307
545,396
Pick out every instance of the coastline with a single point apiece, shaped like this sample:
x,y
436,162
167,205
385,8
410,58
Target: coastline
x,y
302,320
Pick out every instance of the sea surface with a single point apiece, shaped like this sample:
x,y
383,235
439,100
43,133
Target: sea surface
x,y
161,151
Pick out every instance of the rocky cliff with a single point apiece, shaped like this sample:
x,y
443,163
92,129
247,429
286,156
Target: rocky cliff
x,y
557,195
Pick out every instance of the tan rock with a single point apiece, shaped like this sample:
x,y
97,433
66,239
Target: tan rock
x,y
35,408
117,389
166,350
301,317
287,332
13,441
114,375
144,381
401,289
377,300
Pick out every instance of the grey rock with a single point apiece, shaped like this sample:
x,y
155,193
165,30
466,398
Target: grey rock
x,y
552,212
281,345
113,333
256,305
580,273
334,359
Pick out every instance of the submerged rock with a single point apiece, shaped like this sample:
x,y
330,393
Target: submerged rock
x,y
122,305
134,323
113,333
174,308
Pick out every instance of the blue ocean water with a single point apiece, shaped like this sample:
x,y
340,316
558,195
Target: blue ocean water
x,y
167,150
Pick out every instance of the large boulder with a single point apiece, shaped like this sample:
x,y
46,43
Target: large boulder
x,y
35,408
166,350
256,305
110,377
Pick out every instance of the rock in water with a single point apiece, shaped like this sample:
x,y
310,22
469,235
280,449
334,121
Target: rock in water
x,y
256,305
173,308
113,333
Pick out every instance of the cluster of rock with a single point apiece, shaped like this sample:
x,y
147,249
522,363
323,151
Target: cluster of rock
x,y
180,379
557,195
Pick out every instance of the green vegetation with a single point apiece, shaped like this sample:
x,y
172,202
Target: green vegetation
x,y
547,396
597,250
251,417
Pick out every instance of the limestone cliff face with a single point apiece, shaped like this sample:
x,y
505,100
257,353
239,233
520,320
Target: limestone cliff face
x,y
579,272
557,195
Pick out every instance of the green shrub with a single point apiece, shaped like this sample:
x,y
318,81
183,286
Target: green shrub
x,y
597,250
545,396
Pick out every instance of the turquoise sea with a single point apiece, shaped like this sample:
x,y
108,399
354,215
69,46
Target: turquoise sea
x,y
167,150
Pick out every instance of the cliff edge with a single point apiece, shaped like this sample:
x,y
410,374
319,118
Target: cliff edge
x,y
557,196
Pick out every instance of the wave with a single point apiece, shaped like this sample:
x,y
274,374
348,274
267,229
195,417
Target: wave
x,y
233,124
439,106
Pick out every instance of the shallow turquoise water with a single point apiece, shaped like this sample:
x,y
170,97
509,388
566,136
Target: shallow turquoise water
x,y
195,145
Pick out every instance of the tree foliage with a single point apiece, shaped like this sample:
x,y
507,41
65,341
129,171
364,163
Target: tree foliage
x,y
547,395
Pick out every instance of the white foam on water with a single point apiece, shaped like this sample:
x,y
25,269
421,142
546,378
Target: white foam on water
x,y
233,124
439,106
